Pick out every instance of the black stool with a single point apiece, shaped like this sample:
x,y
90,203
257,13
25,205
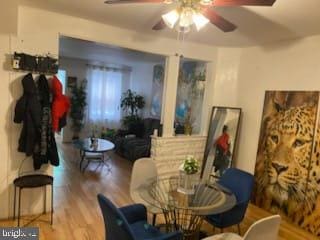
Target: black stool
x,y
32,181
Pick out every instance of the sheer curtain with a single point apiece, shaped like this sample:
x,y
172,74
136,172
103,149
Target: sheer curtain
x,y
104,95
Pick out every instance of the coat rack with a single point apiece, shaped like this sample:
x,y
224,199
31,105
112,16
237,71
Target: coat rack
x,y
35,64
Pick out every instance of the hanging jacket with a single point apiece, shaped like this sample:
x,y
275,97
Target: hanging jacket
x,y
60,105
47,150
28,112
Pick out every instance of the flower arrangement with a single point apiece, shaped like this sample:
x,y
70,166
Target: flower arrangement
x,y
191,165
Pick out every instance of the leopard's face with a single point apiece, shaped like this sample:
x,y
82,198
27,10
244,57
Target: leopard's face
x,y
287,154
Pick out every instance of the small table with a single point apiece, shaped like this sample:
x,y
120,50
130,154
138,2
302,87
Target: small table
x,y
186,212
32,181
90,148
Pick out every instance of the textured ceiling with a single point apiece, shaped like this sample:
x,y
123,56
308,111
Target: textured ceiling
x,y
287,19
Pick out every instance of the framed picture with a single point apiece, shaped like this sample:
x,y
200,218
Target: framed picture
x,y
287,167
221,141
71,82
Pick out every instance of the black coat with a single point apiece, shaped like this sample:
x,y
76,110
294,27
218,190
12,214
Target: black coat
x,y
33,109
28,112
47,150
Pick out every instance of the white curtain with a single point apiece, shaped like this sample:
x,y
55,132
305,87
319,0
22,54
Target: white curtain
x,y
104,95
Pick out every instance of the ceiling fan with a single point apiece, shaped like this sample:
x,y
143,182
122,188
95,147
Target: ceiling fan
x,y
197,12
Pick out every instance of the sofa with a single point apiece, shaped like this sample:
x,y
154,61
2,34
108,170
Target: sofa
x,y
136,143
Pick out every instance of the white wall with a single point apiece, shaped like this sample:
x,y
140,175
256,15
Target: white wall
x,y
9,17
289,65
12,161
5,114
141,82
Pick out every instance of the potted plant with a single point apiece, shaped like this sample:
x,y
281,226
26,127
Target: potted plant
x,y
108,134
77,110
189,175
131,103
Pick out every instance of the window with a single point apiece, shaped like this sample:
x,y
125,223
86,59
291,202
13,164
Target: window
x,y
104,95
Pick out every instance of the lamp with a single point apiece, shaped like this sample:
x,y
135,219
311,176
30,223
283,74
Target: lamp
x,y
199,20
171,18
186,17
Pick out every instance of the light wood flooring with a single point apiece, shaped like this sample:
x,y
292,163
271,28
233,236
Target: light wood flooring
x,y
76,212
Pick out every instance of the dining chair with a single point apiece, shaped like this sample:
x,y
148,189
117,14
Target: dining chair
x,y
130,223
240,183
144,169
266,228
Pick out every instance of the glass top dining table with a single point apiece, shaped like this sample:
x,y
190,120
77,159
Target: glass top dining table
x,y
163,193
183,211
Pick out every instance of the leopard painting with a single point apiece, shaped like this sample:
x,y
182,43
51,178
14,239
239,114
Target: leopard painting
x,y
288,168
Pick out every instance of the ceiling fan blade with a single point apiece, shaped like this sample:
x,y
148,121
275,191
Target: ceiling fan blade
x,y
219,21
243,2
132,1
159,25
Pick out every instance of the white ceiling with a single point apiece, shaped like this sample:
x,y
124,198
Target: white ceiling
x,y
86,50
287,19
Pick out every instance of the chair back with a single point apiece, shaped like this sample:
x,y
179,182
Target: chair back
x,y
116,225
266,228
239,182
144,169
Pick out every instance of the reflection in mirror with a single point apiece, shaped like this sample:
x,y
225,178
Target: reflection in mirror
x,y
221,142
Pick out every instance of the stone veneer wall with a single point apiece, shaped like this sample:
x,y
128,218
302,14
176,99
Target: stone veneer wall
x,y
169,152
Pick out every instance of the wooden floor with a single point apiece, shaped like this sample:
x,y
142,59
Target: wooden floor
x,y
77,215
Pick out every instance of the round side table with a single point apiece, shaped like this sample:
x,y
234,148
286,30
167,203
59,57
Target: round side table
x,y
32,181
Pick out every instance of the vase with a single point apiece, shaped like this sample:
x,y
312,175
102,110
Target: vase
x,y
187,129
187,182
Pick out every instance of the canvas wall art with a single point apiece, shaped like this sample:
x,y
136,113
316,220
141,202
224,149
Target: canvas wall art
x,y
71,82
221,141
157,90
287,173
191,85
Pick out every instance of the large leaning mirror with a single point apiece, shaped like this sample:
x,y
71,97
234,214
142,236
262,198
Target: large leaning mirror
x,y
221,141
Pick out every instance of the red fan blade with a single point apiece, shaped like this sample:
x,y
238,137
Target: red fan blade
x,y
243,2
219,21
159,25
132,1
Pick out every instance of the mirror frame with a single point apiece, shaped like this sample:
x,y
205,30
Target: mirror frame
x,y
208,148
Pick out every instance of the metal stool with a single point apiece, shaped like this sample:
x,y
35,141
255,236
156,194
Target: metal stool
x,y
32,181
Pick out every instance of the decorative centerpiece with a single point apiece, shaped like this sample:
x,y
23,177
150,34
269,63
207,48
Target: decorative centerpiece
x,y
189,175
94,140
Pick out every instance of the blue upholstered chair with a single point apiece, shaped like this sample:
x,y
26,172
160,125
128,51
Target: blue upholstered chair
x,y
130,223
241,184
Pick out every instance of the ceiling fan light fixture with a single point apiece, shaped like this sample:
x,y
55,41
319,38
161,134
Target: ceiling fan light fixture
x,y
199,20
206,2
171,18
186,17
183,30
